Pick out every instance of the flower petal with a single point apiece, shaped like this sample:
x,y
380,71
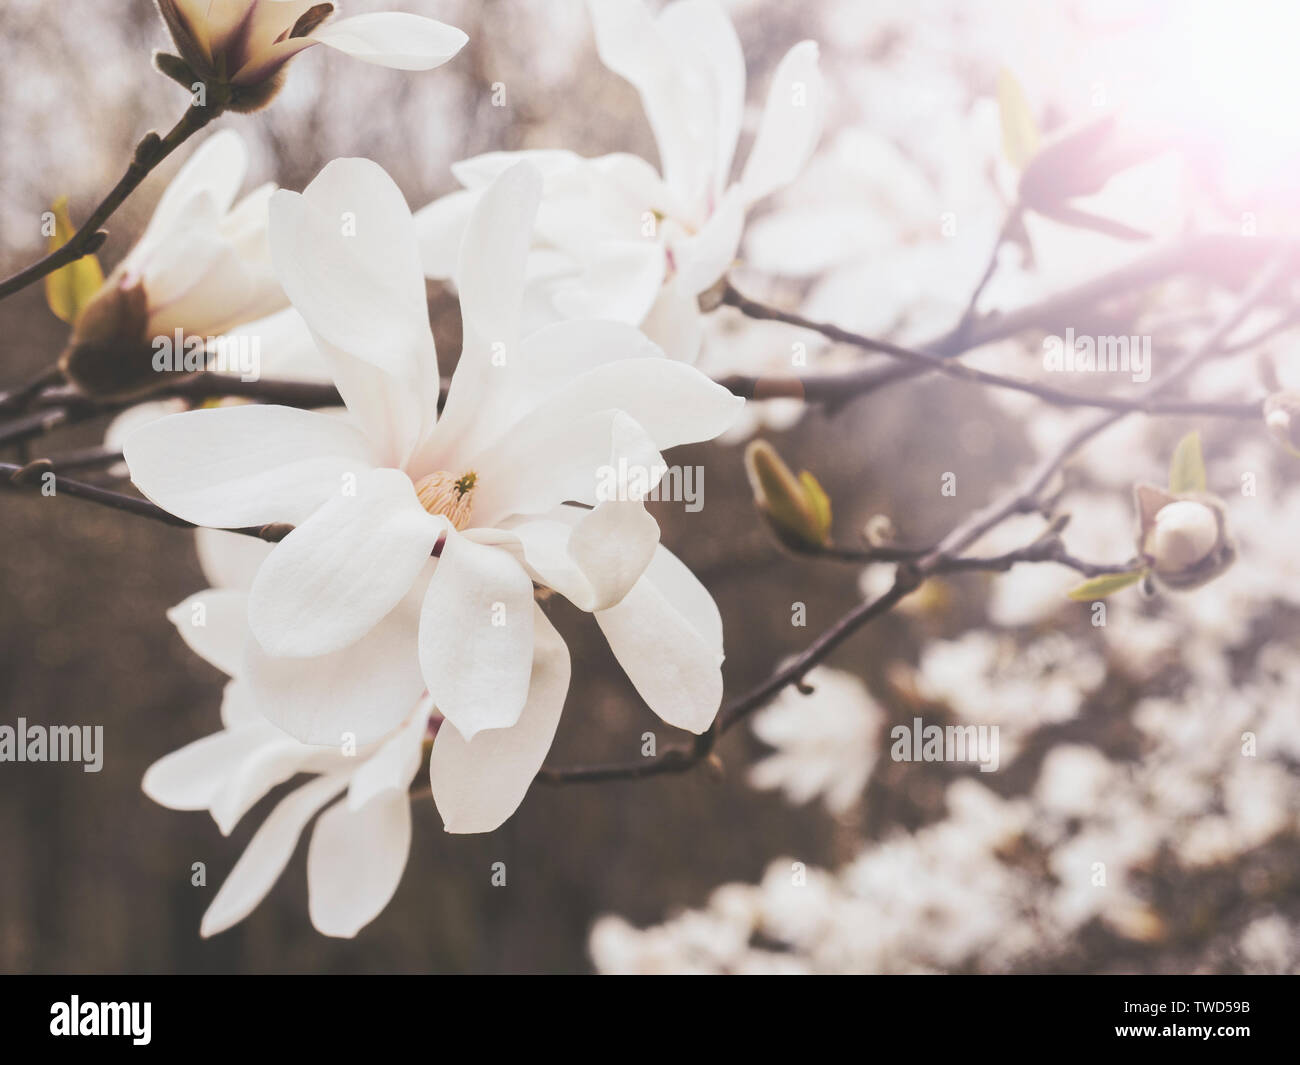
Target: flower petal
x,y
214,625
360,693
277,758
393,766
215,170
476,636
229,560
248,465
671,403
791,125
346,253
558,455
191,777
720,60
703,258
675,322
333,578
355,862
440,229
267,853
633,45
595,559
479,783
490,275
238,706
393,39
663,635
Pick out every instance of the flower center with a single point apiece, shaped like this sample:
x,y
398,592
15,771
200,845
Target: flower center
x,y
452,497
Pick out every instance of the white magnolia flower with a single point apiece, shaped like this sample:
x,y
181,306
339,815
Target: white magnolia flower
x,y
360,844
202,266
204,260
1184,533
825,743
615,238
351,620
1183,537
243,45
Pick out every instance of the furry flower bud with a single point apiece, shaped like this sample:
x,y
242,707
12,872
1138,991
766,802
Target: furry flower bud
x,y
1183,538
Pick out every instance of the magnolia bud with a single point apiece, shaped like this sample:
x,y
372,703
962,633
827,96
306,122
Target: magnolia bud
x,y
235,50
1282,418
1182,538
1184,533
796,508
109,355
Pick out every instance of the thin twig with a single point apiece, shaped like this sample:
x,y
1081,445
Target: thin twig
x,y
151,151
1204,254
946,557
806,387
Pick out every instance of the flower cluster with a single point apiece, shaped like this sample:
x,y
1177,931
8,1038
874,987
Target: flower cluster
x,y
427,522
402,542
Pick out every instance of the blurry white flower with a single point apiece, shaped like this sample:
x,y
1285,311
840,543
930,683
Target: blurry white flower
x,y
1183,533
203,266
351,620
1183,538
359,846
238,48
826,742
615,238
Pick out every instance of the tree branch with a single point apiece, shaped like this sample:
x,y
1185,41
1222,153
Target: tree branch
x,y
151,151
946,557
1195,255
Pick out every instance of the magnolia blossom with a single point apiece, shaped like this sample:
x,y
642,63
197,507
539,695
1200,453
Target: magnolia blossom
x,y
359,847
615,238
203,267
243,45
351,621
204,261
1182,537
360,844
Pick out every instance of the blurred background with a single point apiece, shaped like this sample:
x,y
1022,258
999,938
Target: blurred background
x,y
812,850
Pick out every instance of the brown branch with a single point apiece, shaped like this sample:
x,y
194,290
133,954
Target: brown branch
x,y
151,151
1205,254
812,388
680,759
32,478
65,406
946,557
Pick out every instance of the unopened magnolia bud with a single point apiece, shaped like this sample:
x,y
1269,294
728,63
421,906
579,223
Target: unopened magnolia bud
x,y
109,355
1182,535
1282,418
879,531
796,508
1183,538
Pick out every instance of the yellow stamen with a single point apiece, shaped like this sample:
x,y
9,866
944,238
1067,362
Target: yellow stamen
x,y
452,497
